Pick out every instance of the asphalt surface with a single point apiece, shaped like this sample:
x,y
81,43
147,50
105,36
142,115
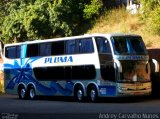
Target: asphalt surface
x,y
11,107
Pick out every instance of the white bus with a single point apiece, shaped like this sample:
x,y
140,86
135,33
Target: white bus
x,y
97,65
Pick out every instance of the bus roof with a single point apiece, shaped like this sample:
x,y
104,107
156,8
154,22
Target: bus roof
x,y
72,37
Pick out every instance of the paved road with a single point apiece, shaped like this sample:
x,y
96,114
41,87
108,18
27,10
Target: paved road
x,y
55,107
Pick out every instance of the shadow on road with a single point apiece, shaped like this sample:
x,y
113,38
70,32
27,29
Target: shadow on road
x,y
100,100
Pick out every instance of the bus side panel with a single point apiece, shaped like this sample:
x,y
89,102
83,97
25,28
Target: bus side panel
x,y
22,71
14,70
64,86
11,75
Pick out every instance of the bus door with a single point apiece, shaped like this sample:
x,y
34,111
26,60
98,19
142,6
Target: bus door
x,y
107,66
109,72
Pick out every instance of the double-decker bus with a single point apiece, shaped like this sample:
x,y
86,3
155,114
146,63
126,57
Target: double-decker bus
x,y
97,65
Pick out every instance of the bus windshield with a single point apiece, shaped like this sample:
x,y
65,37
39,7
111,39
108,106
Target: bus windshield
x,y
126,45
134,71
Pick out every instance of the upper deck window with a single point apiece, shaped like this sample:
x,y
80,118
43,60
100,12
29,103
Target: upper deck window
x,y
71,47
86,46
124,45
76,46
32,50
58,48
13,52
103,45
45,49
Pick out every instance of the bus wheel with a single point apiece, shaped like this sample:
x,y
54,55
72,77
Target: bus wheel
x,y
79,94
93,94
22,93
31,93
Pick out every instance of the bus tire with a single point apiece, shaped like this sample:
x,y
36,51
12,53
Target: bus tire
x,y
31,93
22,92
93,94
79,93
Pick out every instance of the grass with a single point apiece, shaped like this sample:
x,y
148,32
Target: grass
x,y
120,21
1,82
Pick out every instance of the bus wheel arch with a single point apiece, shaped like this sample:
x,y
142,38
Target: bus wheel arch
x,y
79,92
22,93
92,92
31,94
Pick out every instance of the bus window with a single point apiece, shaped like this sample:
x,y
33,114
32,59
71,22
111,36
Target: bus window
x,y
32,50
13,52
58,48
68,72
128,45
45,49
71,47
135,71
64,73
108,72
86,46
18,51
137,45
87,72
46,73
120,44
103,45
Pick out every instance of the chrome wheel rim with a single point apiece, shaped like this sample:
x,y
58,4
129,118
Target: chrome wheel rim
x,y
93,95
23,92
79,95
32,93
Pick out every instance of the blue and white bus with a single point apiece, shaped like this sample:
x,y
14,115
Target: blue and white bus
x,y
97,65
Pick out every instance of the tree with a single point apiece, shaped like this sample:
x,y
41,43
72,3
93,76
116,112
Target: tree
x,y
92,8
151,15
2,12
41,19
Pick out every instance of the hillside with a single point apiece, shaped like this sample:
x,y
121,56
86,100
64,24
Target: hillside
x,y
120,21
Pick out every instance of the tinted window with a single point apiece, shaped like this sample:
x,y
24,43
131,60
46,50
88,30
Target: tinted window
x,y
120,44
13,52
58,48
18,51
103,45
71,47
79,46
85,45
108,72
65,73
45,49
49,73
83,72
137,45
68,72
135,71
32,50
128,45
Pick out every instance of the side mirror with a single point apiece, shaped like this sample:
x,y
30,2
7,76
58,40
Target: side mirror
x,y
156,64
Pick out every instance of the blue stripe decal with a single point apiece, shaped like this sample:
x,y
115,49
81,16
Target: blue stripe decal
x,y
23,72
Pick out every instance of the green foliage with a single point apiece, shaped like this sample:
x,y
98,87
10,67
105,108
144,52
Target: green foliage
x,y
26,21
155,20
149,4
23,20
2,12
151,15
92,9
